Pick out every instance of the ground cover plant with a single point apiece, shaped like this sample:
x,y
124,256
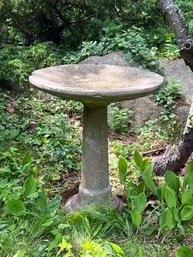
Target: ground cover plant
x,y
40,136
40,150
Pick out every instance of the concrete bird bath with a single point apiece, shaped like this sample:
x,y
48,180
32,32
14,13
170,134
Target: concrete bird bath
x,y
95,86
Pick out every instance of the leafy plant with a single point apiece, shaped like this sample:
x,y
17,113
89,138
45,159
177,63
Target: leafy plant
x,y
167,98
170,49
174,198
184,251
18,62
120,119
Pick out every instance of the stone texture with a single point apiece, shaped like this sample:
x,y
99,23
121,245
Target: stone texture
x,y
143,108
96,84
182,114
116,58
177,70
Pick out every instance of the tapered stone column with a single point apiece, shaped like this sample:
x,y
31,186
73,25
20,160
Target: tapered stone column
x,y
95,170
94,187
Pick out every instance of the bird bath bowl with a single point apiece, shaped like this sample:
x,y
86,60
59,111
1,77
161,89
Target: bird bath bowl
x,y
95,86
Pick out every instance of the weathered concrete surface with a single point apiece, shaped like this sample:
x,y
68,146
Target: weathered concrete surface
x,y
115,58
95,84
145,109
94,187
95,167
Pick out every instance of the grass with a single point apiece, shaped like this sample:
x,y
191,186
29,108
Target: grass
x,y
40,137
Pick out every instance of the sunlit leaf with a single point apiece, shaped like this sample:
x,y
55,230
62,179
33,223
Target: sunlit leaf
x,y
29,186
140,202
172,180
15,207
136,217
170,197
186,213
184,251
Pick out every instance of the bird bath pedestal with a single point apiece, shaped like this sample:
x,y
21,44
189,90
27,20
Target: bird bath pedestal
x,y
95,86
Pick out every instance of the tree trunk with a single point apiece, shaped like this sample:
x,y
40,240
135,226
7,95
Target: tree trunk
x,y
177,159
177,23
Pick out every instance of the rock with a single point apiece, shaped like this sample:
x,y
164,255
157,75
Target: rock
x,y
177,70
144,109
116,58
182,114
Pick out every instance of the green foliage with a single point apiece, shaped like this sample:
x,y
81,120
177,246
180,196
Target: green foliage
x,y
120,119
166,98
173,198
42,126
132,41
170,49
32,216
18,62
184,251
73,23
92,249
187,8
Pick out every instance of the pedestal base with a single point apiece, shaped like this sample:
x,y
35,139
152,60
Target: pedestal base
x,y
74,203
95,187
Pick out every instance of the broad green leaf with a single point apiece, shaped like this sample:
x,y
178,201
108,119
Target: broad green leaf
x,y
140,202
26,163
140,253
189,169
166,219
26,159
140,187
54,204
118,250
55,242
42,201
186,213
130,189
184,251
181,228
150,184
187,197
145,163
149,230
136,217
29,186
149,170
34,172
15,207
189,172
176,214
172,180
170,197
122,169
138,159
160,192
20,253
